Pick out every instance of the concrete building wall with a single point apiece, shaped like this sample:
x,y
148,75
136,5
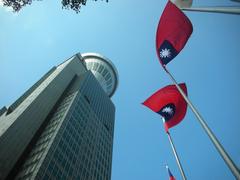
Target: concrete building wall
x,y
77,142
18,127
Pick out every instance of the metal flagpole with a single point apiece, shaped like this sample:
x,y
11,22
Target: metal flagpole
x,y
176,156
225,10
210,134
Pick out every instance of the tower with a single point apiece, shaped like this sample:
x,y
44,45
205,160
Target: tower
x,y
63,126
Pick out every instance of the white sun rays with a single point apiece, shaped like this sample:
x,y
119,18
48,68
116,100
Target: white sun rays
x,y
168,110
165,53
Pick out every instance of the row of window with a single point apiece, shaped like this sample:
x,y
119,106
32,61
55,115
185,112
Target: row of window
x,y
95,66
92,90
78,144
44,139
83,145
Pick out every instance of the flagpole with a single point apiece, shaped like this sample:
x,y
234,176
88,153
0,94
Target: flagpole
x,y
176,156
225,10
210,134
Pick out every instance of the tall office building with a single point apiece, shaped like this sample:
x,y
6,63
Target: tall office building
x,y
62,127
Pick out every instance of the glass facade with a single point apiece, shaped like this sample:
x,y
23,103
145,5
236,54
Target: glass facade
x,y
63,126
77,141
103,70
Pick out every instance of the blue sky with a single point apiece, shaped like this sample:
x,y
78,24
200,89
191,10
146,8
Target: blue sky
x,y
43,35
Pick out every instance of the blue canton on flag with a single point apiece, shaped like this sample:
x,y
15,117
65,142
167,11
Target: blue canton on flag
x,y
167,112
167,52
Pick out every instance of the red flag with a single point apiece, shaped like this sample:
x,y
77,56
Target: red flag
x,y
171,177
173,31
169,103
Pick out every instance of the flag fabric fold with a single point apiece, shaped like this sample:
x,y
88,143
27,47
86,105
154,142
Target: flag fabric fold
x,y
173,31
169,103
171,177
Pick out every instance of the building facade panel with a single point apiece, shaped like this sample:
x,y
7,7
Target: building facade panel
x,y
77,144
61,128
19,126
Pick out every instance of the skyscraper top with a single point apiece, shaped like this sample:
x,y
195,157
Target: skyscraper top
x,y
104,71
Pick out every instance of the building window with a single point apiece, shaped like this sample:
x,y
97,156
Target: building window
x,y
86,98
106,126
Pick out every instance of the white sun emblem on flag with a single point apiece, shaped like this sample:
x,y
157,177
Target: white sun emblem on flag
x,y
165,53
168,110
